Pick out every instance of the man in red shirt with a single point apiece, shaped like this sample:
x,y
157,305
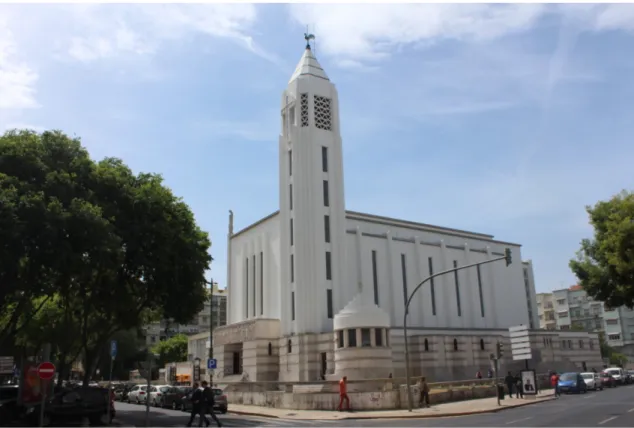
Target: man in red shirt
x,y
343,393
554,382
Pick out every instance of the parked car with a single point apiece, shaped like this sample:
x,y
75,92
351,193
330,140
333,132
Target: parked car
x,y
156,394
607,380
9,410
592,380
138,394
572,382
220,401
73,405
617,374
174,397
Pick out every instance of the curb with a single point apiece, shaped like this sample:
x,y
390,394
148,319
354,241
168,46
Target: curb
x,y
417,416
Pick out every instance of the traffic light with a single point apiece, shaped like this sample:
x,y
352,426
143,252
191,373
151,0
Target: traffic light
x,y
507,256
499,349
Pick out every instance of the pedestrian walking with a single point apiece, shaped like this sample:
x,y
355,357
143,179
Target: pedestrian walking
x,y
479,375
423,397
343,393
509,380
208,404
196,400
554,382
519,390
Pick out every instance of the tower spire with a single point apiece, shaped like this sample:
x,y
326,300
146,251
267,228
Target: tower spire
x,y
308,37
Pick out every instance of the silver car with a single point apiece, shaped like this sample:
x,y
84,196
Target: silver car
x,y
592,380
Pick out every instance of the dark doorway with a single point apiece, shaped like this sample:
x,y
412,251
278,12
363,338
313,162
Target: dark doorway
x,y
324,364
237,363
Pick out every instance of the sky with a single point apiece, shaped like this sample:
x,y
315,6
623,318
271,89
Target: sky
x,y
500,119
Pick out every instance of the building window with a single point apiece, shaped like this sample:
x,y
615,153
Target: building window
x,y
614,337
561,302
366,337
352,338
455,344
324,159
290,163
270,349
290,196
457,282
340,339
291,116
426,345
292,306
291,223
375,278
246,286
328,266
480,291
254,286
580,344
326,195
481,344
329,303
289,346
327,228
432,289
292,268
303,109
378,337
612,321
261,283
323,115
404,277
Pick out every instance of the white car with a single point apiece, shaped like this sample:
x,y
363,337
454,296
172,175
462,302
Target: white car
x,y
138,394
617,374
592,380
156,394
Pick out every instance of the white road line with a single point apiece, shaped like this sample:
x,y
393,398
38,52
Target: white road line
x,y
588,396
631,410
607,420
518,420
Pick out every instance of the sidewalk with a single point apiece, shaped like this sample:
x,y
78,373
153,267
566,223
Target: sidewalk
x,y
456,408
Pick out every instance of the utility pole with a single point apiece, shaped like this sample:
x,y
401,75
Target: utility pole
x,y
506,257
211,329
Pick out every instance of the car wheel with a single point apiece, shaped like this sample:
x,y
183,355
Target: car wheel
x,y
174,407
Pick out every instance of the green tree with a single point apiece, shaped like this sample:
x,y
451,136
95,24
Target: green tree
x,y
618,359
605,264
120,245
171,350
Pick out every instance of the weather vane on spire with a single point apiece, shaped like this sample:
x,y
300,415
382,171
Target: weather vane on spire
x,y
308,38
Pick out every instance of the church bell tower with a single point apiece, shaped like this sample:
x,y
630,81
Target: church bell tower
x,y
312,207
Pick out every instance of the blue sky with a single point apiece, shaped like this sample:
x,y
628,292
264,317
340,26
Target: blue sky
x,y
501,119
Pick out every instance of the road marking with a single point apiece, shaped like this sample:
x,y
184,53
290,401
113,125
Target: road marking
x,y
631,410
588,396
518,420
607,420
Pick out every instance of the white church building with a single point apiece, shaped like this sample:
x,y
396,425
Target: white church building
x,y
317,291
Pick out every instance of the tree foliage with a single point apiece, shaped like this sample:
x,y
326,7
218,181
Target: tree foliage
x,y
107,245
171,350
605,264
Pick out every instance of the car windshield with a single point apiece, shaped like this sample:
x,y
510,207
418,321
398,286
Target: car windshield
x,y
588,376
613,372
185,389
568,376
164,388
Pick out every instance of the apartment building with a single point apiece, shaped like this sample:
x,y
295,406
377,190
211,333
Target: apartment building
x,y
573,309
214,314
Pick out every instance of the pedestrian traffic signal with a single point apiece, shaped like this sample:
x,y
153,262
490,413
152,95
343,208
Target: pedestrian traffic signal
x,y
507,256
499,350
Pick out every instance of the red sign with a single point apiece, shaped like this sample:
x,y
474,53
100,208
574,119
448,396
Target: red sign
x,y
46,371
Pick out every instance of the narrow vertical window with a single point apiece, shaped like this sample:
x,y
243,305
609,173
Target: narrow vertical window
x,y
292,306
290,162
290,196
404,275
291,223
327,228
324,159
254,286
432,287
457,282
246,286
375,279
292,268
329,303
328,266
261,283
480,291
326,195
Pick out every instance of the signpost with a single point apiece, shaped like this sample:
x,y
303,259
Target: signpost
x,y
520,344
212,364
113,355
46,372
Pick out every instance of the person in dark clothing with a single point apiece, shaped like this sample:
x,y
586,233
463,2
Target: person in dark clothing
x,y
196,399
519,392
509,380
208,405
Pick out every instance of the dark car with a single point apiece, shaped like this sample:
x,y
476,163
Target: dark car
x,y
220,401
607,380
572,382
74,405
174,397
9,410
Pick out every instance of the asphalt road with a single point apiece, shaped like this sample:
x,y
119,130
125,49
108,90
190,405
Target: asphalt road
x,y
608,408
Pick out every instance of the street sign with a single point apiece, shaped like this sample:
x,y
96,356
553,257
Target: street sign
x,y
6,365
46,371
113,349
520,343
212,363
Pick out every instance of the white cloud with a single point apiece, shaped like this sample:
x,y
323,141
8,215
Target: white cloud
x,y
17,79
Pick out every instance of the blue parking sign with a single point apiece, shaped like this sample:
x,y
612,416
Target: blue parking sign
x,y
211,363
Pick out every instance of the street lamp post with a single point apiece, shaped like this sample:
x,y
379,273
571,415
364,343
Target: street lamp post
x,y
506,256
196,375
